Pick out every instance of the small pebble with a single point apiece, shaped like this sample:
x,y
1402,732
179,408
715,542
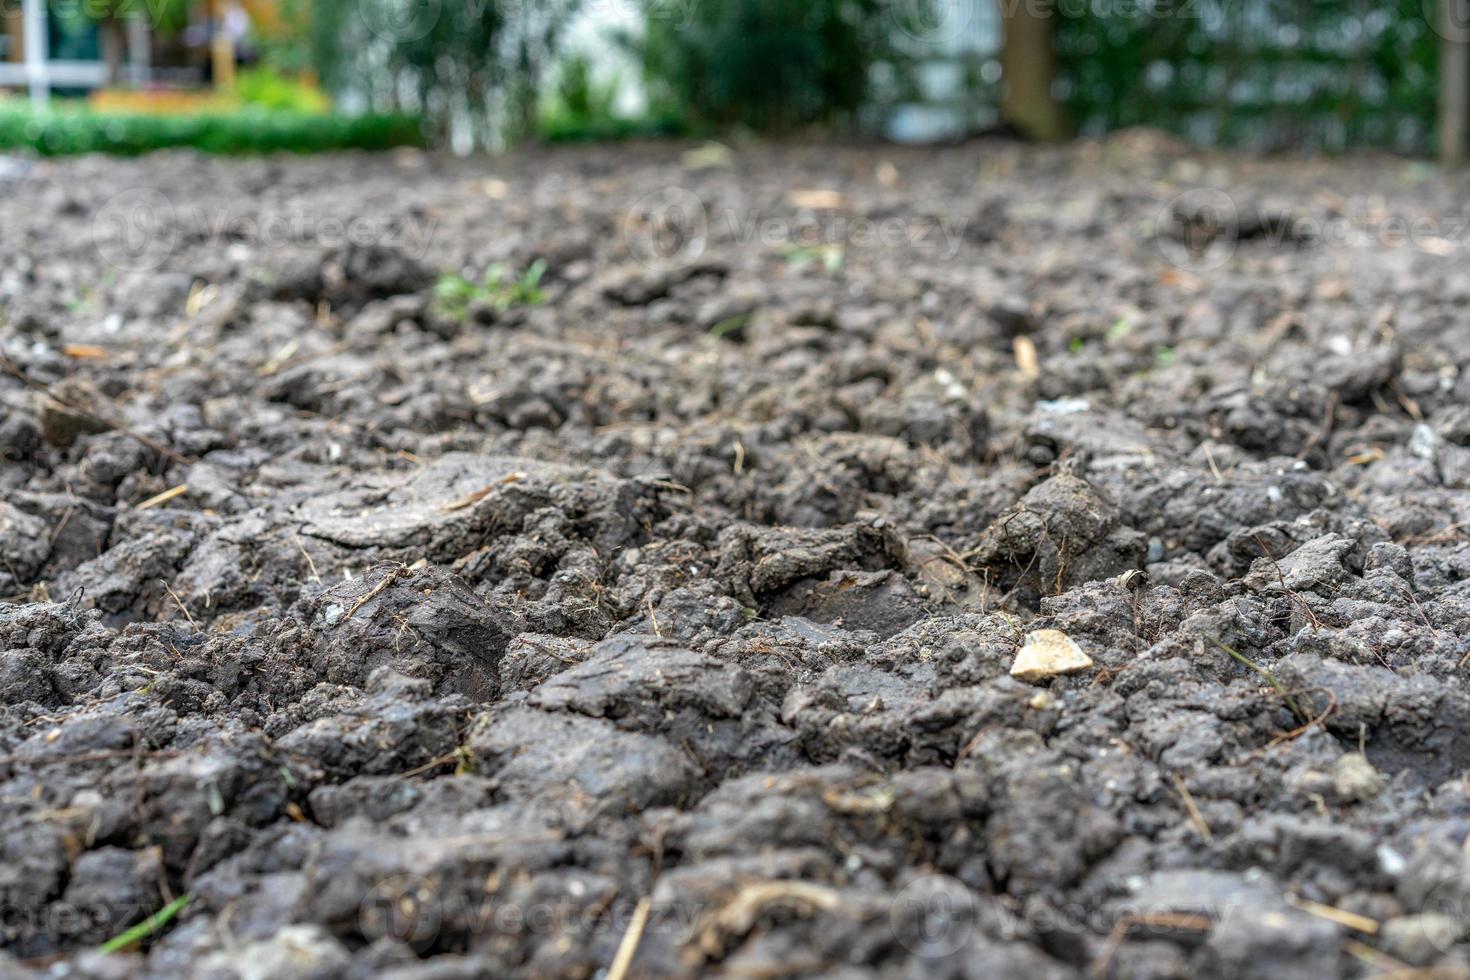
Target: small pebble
x,y
1355,779
1047,653
1420,939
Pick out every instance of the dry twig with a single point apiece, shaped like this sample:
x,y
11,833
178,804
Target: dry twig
x,y
16,371
628,948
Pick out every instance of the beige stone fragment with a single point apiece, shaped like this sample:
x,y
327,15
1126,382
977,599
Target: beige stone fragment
x,y
1047,653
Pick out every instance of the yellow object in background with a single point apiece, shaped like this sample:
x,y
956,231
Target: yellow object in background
x,y
161,102
259,87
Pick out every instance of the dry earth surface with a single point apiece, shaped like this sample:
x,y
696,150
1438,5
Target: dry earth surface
x,y
673,610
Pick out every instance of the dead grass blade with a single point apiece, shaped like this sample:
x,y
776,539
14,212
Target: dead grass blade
x,y
475,496
16,371
1185,921
1190,807
628,948
737,916
159,499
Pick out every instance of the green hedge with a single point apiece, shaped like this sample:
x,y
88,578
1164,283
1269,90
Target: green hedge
x,y
766,64
1259,74
65,131
571,129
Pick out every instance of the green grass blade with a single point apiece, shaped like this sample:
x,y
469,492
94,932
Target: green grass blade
x,y
147,927
1270,677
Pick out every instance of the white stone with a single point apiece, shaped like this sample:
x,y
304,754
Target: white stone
x,y
1047,653
1355,779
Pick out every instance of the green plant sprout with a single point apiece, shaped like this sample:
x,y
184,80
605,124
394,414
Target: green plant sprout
x,y
798,257
454,294
146,928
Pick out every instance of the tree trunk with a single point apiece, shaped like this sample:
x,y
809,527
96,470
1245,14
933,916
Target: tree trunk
x,y
1028,67
114,43
1454,79
13,28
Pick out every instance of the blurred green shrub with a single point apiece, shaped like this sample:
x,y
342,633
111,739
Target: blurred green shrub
x,y
1261,74
472,70
454,295
268,89
66,130
578,94
578,109
766,64
164,16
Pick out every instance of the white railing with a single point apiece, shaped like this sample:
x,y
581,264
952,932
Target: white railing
x,y
58,74
39,73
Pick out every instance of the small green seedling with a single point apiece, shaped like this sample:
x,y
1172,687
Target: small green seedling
x,y
798,257
1280,689
732,327
454,294
146,928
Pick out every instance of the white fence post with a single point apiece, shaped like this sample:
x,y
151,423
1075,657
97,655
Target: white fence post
x,y
140,55
33,14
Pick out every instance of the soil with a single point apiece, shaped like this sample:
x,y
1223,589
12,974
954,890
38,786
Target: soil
x,y
666,607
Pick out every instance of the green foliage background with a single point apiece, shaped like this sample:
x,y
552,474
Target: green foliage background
x,y
472,68
1259,74
765,64
166,16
